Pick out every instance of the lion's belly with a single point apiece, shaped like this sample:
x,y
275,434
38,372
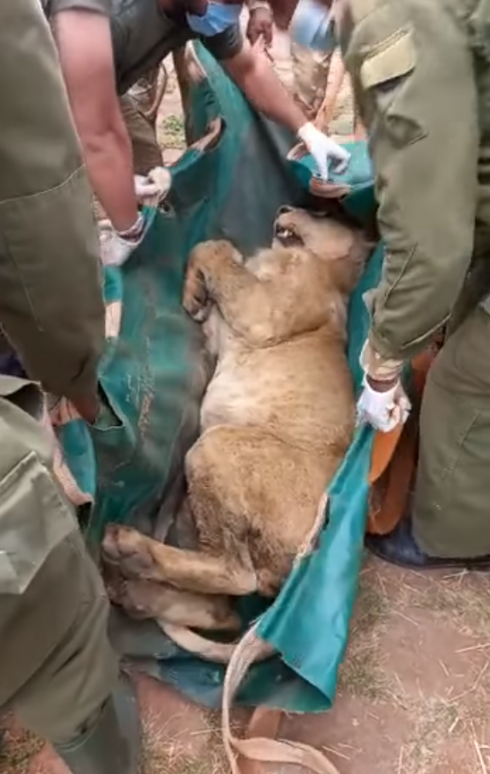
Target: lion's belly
x,y
301,390
230,399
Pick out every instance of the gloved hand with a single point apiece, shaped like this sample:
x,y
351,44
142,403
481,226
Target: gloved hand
x,y
152,188
383,410
144,186
323,149
116,247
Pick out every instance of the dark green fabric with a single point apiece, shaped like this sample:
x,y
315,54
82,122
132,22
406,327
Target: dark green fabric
x,y
153,381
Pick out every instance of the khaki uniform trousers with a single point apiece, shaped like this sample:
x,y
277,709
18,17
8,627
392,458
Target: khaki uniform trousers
x,y
451,514
57,666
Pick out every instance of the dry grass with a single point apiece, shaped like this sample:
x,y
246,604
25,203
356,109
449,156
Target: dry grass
x,y
16,749
457,606
362,675
463,596
169,754
435,717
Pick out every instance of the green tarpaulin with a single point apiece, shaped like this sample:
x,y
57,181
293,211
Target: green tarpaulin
x,y
153,379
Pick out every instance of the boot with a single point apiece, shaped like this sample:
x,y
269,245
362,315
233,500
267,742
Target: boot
x,y
112,745
400,548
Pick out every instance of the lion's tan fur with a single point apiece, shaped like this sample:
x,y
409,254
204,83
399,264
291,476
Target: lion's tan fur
x,y
277,417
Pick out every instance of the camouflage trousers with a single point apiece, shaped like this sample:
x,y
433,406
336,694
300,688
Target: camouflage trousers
x,y
147,153
310,76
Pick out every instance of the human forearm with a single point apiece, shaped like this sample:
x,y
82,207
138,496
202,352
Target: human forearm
x,y
267,94
109,163
252,72
87,62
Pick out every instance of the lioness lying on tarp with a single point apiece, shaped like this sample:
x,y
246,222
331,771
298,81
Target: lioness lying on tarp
x,y
276,421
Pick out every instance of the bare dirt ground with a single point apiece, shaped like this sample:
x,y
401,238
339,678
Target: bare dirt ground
x,y
414,690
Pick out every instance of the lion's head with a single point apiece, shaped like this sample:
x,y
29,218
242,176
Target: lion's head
x,y
344,247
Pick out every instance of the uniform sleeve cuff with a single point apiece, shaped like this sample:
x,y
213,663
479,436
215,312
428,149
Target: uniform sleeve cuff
x,y
83,385
376,365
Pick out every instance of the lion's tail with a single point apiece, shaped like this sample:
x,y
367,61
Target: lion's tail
x,y
209,650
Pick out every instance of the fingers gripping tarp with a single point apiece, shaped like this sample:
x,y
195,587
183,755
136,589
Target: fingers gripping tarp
x,y
153,378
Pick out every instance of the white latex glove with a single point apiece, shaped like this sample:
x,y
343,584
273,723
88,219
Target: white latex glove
x,y
323,149
144,186
115,248
153,187
383,410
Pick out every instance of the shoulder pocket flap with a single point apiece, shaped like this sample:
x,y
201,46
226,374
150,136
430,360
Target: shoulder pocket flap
x,y
34,518
395,59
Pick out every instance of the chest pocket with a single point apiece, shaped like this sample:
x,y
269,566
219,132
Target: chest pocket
x,y
388,78
34,518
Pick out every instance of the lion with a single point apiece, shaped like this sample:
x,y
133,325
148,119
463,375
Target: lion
x,y
276,421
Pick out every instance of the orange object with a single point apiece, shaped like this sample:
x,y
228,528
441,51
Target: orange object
x,y
394,459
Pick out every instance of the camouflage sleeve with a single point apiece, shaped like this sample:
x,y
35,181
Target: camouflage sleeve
x,y
414,70
51,305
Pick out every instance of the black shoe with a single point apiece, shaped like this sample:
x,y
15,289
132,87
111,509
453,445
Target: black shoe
x,y
400,548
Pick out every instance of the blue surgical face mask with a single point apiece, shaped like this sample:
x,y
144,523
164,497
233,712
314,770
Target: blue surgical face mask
x,y
312,26
218,17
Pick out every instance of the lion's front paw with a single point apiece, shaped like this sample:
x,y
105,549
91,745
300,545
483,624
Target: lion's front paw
x,y
127,550
196,300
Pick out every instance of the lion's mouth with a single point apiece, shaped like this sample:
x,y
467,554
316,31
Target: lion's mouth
x,y
286,236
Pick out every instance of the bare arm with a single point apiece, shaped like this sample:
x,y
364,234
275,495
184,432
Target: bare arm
x,y
252,72
85,49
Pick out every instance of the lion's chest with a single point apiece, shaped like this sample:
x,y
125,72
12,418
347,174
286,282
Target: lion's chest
x,y
233,394
299,389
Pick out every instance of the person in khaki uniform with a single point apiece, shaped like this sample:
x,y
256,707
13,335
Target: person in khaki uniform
x,y
106,46
58,671
421,75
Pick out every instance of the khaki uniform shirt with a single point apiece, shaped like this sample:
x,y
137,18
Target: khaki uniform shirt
x,y
51,305
421,75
